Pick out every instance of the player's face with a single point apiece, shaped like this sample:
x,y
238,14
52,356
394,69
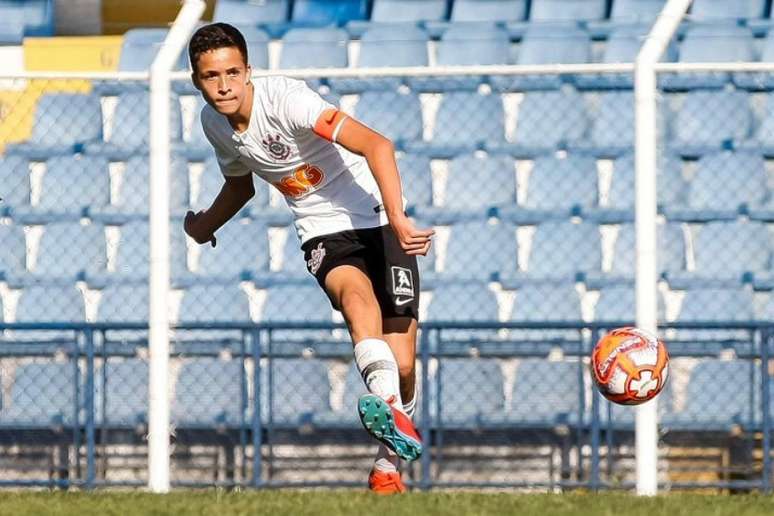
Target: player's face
x,y
222,77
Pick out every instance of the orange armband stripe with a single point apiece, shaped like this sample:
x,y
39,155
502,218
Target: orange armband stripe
x,y
329,123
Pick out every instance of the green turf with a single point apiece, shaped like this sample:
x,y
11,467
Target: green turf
x,y
220,503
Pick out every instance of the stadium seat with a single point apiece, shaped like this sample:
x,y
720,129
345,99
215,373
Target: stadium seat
x,y
481,116
725,185
386,45
563,250
538,404
140,47
764,311
272,15
763,138
616,305
635,11
132,257
38,18
465,45
314,48
297,303
495,181
211,303
488,10
133,201
87,175
124,304
713,304
612,126
64,123
547,120
11,24
243,248
416,180
131,127
670,256
557,189
480,251
724,10
397,116
710,120
346,416
13,253
208,393
124,393
318,13
546,44
466,393
546,303
71,251
298,389
711,43
710,405
482,308
759,80
671,188
566,10
396,11
42,396
15,176
49,304
211,181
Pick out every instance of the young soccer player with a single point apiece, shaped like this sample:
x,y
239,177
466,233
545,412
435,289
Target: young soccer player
x,y
341,182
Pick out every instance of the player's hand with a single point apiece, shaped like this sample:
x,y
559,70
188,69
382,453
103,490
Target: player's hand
x,y
192,227
412,240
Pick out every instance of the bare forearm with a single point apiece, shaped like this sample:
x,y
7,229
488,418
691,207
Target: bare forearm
x,y
381,161
227,204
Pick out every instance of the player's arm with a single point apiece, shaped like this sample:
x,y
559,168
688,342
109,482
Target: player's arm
x,y
235,193
379,152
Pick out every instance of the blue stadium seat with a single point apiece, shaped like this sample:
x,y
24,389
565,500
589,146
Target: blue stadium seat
x,y
725,185
328,12
39,18
713,304
445,306
481,116
211,181
64,123
124,304
671,188
132,258
87,175
42,395
671,252
397,116
11,23
386,45
69,250
765,310
314,48
724,10
416,180
297,303
567,10
131,127
471,393
488,10
346,416
710,405
563,250
243,248
210,304
495,181
13,253
761,80
293,262
612,127
272,15
299,390
15,178
209,393
711,43
49,304
547,120
763,138
395,11
635,11
125,394
139,48
133,201
557,189
480,251
464,45
711,120
546,44
546,303
617,305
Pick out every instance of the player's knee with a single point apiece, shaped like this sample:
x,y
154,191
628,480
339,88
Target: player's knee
x,y
406,371
354,303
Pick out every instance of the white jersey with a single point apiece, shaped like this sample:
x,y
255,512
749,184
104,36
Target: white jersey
x,y
328,188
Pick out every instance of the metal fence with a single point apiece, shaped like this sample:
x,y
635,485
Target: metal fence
x,y
529,183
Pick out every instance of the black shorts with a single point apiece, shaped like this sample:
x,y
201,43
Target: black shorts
x,y
377,252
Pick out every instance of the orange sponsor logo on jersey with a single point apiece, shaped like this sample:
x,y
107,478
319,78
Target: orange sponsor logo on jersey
x,y
303,179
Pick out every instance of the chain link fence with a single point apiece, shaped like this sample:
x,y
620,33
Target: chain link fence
x,y
529,185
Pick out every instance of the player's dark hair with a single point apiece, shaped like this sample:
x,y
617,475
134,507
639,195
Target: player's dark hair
x,y
212,37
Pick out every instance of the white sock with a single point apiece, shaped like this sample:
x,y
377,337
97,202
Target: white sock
x,y
379,369
410,406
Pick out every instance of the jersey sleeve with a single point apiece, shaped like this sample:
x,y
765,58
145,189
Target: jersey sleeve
x,y
228,158
302,109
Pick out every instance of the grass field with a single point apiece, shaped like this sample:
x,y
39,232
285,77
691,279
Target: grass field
x,y
358,503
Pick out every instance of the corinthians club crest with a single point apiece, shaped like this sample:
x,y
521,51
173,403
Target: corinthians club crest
x,y
278,149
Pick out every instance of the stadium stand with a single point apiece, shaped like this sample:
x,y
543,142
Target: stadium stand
x,y
395,115
69,250
13,255
208,393
494,252
15,176
294,390
488,10
325,12
242,249
41,405
121,394
698,130
477,399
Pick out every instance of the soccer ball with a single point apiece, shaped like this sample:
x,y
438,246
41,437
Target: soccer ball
x,y
630,366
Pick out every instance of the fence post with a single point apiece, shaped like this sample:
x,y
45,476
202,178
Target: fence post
x,y
256,422
765,412
89,408
425,426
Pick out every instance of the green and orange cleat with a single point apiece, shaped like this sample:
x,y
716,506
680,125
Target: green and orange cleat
x,y
390,426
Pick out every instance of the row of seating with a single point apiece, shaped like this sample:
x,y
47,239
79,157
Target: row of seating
x,y
20,18
472,395
600,124
730,251
228,303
